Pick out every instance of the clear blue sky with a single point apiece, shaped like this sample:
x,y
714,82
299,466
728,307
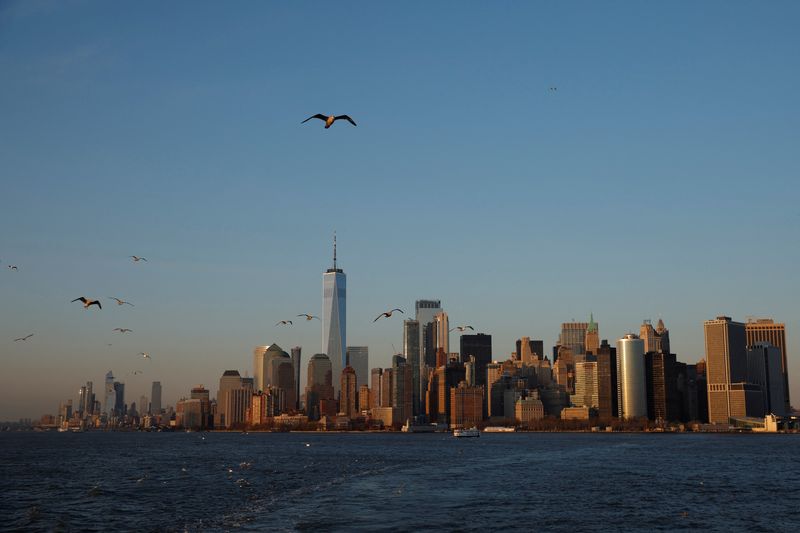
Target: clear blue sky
x,y
659,180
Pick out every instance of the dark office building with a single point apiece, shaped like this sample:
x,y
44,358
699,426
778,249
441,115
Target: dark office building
x,y
429,344
537,347
480,347
663,400
607,381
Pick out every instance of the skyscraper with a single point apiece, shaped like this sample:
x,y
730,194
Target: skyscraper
x,y
573,336
110,395
334,316
426,310
375,387
119,398
273,367
349,392
479,346
529,350
607,395
319,384
402,394
411,351
663,397
89,398
586,394
231,379
592,338
442,331
767,330
155,398
764,367
631,377
358,358
726,363
296,351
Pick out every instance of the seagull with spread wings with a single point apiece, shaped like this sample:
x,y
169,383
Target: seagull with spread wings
x,y
123,330
87,302
26,337
121,302
329,120
284,323
387,314
136,258
13,267
462,328
308,317
144,355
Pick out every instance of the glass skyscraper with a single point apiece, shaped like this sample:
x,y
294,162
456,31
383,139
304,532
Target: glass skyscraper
x,y
334,317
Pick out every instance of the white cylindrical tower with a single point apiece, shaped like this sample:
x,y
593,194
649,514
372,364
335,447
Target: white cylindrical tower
x,y
631,377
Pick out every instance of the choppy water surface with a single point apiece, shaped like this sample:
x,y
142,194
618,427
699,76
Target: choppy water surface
x,y
236,482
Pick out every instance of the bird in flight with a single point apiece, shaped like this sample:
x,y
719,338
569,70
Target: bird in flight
x,y
13,267
26,337
123,330
308,317
387,314
144,355
462,328
135,372
329,120
136,258
120,302
284,323
87,302
553,89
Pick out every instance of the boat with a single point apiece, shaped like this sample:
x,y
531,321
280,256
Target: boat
x,y
499,429
471,432
408,427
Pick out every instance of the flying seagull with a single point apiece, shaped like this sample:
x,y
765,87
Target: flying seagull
x,y
136,258
462,328
308,317
120,302
387,314
135,372
123,330
26,337
284,323
87,302
145,355
13,267
553,89
329,120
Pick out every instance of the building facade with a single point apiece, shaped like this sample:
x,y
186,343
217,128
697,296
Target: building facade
x,y
334,316
632,396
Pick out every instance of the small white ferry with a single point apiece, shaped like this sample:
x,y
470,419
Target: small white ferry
x,y
471,432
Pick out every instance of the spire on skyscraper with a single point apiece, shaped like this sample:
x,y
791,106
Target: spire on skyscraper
x,y
592,327
334,250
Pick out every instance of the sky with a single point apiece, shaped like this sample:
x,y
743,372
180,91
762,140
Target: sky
x,y
659,179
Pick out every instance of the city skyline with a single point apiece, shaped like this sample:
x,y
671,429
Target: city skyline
x,y
632,192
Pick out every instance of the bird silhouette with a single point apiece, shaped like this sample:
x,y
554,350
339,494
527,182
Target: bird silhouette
x,y
387,314
87,302
144,355
136,372
120,302
462,328
308,317
13,267
329,120
123,330
284,323
136,258
26,337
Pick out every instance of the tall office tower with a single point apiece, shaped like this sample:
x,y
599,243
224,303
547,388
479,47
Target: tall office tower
x,y
607,395
387,388
273,367
155,398
429,344
764,367
573,336
82,401
319,384
469,369
334,317
119,398
231,379
663,398
726,365
402,385
426,311
766,330
651,339
144,407
375,387
296,365
358,358
663,333
447,377
632,397
586,393
202,394
442,331
529,350
259,367
411,351
479,346
466,406
110,397
364,398
348,403
89,398
592,338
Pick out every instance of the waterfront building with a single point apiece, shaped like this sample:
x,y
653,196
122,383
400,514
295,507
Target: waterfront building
x,y
375,387
110,397
364,398
155,398
451,374
82,401
201,394
576,413
119,398
143,405
664,402
442,331
231,379
319,384
386,415
765,368
358,358
479,346
334,316
411,352
767,330
296,362
387,385
402,380
348,395
426,311
632,396
189,414
607,389
237,401
586,393
274,368
592,338
528,410
466,406
90,399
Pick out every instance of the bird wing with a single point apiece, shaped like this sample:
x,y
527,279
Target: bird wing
x,y
143,259
318,115
129,304
393,310
289,321
97,303
345,117
379,317
81,299
469,327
